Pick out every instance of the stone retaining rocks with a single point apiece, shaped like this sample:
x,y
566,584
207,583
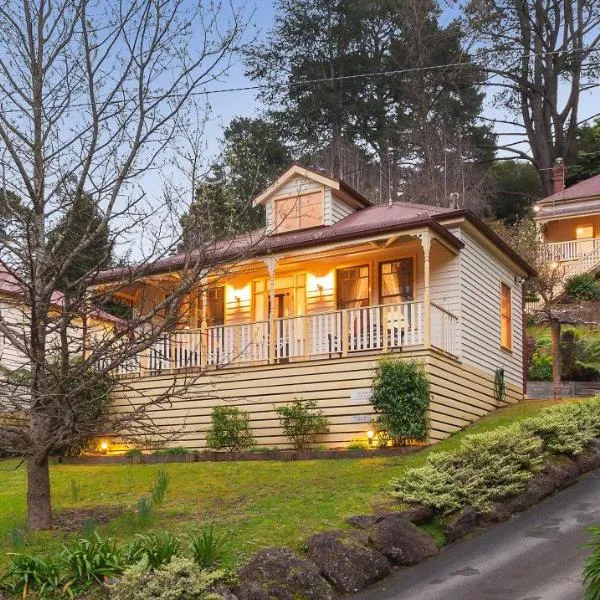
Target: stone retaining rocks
x,y
347,564
351,560
497,513
591,459
567,472
460,523
417,514
553,476
363,521
279,574
401,541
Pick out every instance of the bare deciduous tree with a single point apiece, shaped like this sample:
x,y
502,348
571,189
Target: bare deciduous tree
x,y
92,94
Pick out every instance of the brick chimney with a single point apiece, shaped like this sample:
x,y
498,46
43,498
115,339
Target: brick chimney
x,y
559,170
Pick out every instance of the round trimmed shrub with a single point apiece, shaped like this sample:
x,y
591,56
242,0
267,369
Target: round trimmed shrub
x,y
401,396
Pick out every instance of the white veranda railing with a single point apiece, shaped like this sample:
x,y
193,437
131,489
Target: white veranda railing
x,y
329,334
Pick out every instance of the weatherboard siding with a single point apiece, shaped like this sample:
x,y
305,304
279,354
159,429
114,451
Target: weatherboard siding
x,y
460,395
339,209
481,275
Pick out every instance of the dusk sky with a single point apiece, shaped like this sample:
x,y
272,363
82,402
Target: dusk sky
x,y
227,105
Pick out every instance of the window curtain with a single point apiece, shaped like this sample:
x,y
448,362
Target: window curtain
x,y
353,287
396,281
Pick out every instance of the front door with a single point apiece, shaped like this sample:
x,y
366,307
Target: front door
x,y
284,308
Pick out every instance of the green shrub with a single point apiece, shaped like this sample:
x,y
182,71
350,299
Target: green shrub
x,y
540,367
210,549
566,428
401,398
260,449
144,510
158,548
89,561
75,489
302,422
88,409
357,445
494,465
582,287
173,451
16,537
544,341
181,579
29,573
486,467
230,429
591,570
133,452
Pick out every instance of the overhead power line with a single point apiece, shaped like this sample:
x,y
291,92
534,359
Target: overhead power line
x,y
313,81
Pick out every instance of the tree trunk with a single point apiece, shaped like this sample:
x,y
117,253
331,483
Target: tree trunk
x,y
555,330
39,508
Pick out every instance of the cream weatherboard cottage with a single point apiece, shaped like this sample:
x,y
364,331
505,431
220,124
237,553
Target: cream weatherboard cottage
x,y
333,284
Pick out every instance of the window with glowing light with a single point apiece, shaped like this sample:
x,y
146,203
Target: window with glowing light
x,y
506,317
396,281
215,306
353,287
584,232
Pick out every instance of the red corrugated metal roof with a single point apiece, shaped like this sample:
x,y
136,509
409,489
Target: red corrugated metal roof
x,y
361,223
589,188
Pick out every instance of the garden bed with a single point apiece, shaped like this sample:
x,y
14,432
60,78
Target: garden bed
x,y
261,503
207,456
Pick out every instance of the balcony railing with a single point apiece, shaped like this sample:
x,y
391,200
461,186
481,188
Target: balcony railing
x,y
443,330
572,249
323,335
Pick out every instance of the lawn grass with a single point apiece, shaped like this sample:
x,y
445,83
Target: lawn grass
x,y
262,503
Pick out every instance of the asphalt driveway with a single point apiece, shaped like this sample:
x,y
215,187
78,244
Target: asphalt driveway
x,y
537,555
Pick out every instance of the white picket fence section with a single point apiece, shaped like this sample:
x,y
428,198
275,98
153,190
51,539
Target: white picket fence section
x,y
330,334
308,336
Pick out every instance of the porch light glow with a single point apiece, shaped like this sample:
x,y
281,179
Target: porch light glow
x,y
320,283
104,446
536,209
238,295
370,436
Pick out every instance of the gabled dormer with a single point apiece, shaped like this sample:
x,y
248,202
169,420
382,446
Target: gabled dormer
x,y
303,198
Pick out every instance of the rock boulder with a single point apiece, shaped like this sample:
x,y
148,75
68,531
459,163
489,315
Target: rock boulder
x,y
345,562
460,523
401,541
280,574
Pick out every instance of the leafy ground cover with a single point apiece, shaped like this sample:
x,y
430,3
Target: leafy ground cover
x,y
261,503
579,351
